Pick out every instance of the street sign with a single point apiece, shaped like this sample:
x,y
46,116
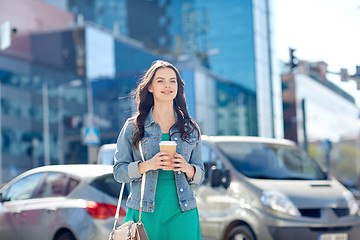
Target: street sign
x,y
357,74
91,136
326,145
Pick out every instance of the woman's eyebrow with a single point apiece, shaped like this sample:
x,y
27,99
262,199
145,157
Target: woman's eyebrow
x,y
159,77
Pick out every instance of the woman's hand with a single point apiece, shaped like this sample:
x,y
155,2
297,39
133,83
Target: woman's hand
x,y
161,160
180,164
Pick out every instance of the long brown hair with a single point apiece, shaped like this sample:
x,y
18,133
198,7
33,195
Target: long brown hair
x,y
145,101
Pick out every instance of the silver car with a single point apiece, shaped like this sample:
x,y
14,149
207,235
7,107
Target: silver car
x,y
267,189
60,202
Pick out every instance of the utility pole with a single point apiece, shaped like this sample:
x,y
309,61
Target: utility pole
x,y
46,128
92,148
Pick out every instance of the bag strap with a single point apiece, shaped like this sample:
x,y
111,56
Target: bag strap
x,y
118,205
122,191
142,182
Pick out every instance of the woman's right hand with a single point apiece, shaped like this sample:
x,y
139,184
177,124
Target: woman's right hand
x,y
161,160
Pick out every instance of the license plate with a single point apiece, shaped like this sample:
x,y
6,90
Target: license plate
x,y
333,236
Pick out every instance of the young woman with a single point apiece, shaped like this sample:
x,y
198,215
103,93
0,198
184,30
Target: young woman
x,y
169,206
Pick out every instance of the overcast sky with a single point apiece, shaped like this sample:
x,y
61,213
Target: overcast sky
x,y
321,30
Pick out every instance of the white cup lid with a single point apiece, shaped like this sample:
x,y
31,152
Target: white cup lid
x,y
168,143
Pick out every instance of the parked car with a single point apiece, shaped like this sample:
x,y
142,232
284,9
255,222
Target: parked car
x,y
106,154
60,202
267,189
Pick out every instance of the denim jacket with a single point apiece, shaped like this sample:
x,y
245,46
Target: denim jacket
x,y
127,160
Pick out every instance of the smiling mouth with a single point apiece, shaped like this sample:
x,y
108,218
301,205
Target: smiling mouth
x,y
167,92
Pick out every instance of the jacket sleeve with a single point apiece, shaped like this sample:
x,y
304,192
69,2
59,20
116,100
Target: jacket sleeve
x,y
125,168
196,161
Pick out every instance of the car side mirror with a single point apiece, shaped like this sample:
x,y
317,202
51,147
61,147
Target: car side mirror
x,y
1,198
219,178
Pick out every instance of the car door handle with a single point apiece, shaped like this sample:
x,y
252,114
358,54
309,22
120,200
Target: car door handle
x,y
16,213
50,210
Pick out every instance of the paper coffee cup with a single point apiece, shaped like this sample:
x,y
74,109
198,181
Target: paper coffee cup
x,y
168,146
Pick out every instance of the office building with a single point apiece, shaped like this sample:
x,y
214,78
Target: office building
x,y
233,38
49,78
322,118
55,83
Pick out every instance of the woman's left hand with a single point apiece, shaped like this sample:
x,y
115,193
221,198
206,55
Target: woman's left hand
x,y
180,164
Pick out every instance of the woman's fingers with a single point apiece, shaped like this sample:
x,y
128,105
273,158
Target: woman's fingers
x,y
179,163
162,160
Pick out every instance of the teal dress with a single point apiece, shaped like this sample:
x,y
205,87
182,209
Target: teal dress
x,y
168,222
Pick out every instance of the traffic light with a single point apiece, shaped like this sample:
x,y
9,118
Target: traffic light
x,y
294,61
344,76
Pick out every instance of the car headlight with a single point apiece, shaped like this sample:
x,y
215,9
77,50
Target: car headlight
x,y
351,202
279,202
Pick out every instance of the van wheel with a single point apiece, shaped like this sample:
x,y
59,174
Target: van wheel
x,y
65,236
241,233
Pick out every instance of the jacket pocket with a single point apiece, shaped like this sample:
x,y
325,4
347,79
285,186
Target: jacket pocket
x,y
189,145
146,146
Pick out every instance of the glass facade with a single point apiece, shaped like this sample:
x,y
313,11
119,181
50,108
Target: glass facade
x,y
220,107
232,38
22,118
234,110
44,103
43,110
148,22
231,31
114,66
111,14
234,41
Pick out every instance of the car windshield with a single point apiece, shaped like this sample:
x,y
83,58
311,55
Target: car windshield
x,y
271,161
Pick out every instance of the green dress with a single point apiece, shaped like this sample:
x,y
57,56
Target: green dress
x,y
168,222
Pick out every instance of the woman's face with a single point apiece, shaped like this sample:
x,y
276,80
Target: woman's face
x,y
164,86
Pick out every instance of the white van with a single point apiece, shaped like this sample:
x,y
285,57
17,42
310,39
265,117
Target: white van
x,y
106,154
267,189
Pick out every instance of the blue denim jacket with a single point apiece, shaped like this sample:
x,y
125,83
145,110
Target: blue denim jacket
x,y
127,159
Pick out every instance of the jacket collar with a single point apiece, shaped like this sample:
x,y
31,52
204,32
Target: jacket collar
x,y
149,120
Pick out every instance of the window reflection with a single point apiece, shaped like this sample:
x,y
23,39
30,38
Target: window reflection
x,y
234,113
24,188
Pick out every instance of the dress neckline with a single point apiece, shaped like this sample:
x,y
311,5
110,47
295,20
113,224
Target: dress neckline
x,y
165,136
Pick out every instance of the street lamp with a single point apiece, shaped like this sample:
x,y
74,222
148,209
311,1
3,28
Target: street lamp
x,y
73,83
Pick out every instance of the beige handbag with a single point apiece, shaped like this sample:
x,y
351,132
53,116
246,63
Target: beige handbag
x,y
130,230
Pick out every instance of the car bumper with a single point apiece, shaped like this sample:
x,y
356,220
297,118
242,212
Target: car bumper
x,y
300,233
274,228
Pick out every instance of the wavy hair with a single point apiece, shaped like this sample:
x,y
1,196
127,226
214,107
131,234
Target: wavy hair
x,y
145,101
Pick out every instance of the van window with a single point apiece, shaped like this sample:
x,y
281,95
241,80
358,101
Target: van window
x,y
210,159
271,161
